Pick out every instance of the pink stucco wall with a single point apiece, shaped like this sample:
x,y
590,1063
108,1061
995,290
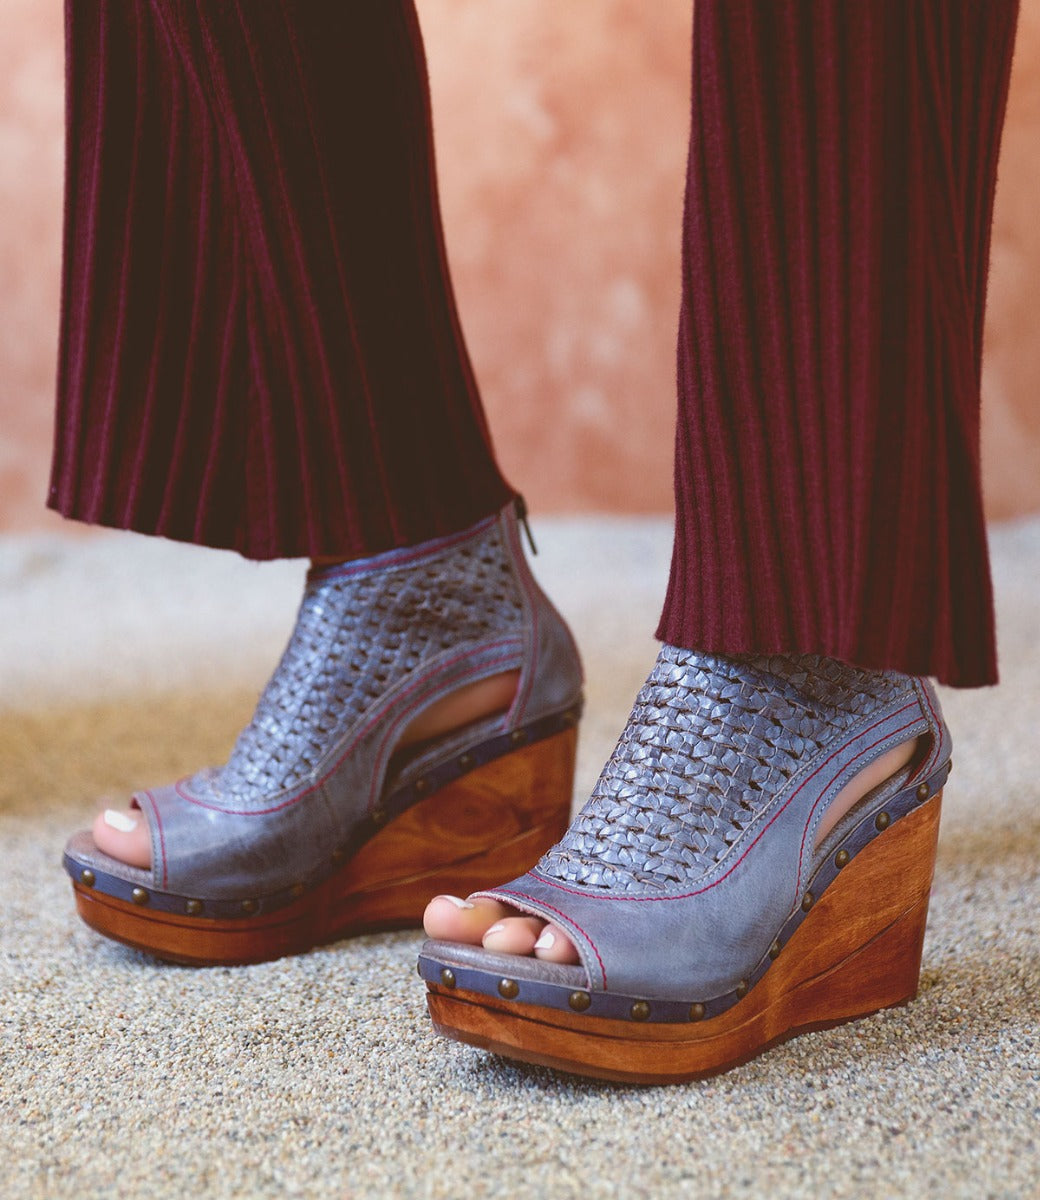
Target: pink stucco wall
x,y
561,132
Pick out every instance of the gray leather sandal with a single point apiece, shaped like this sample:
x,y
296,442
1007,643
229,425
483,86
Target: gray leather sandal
x,y
320,825
709,922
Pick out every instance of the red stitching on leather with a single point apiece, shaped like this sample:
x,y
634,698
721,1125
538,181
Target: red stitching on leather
x,y
162,836
430,675
373,564
260,812
516,547
495,662
686,895
933,758
867,750
569,920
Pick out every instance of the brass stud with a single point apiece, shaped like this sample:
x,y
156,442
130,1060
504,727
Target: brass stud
x,y
841,859
640,1011
297,890
742,989
193,907
250,906
340,853
508,989
774,949
924,791
466,761
568,719
579,1001
421,785
87,877
139,896
447,977
808,900
696,1012
378,816
517,736
882,821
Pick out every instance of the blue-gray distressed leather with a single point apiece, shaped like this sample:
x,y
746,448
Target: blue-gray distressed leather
x,y
698,841
375,643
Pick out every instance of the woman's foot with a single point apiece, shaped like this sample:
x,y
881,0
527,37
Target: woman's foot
x,y
754,860
478,921
417,732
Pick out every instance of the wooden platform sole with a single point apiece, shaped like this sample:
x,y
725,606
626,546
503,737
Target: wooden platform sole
x,y
490,825
858,951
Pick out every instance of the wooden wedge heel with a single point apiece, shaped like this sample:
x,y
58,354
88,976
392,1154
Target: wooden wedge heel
x,y
710,921
327,820
858,951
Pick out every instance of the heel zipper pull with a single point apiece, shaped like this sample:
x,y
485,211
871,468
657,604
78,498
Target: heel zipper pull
x,y
521,515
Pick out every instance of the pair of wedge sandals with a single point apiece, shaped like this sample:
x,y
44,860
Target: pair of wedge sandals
x,y
710,918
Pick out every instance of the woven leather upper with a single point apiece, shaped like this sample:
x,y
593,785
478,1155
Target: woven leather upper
x,y
358,633
699,839
376,642
710,743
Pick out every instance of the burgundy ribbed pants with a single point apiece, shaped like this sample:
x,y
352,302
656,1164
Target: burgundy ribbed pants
x,y
259,346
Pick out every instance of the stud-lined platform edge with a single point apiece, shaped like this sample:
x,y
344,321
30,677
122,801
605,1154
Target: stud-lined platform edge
x,y
639,1009
857,952
433,781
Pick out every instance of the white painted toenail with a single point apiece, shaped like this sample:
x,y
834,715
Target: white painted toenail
x,y
546,940
496,928
120,821
456,901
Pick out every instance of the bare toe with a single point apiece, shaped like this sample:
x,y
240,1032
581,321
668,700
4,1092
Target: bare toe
x,y
451,919
123,834
514,935
481,921
554,945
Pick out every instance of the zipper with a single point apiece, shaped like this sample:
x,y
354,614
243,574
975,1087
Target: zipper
x,y
520,504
